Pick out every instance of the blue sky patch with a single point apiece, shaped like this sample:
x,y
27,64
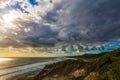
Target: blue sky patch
x,y
33,2
18,6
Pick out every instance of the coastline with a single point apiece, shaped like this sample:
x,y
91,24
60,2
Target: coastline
x,y
26,76
11,73
80,69
26,70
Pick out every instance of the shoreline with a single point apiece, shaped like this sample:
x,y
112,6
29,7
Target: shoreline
x,y
31,77
80,69
25,76
7,74
15,73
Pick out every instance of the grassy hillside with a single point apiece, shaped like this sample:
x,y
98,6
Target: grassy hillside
x,y
106,67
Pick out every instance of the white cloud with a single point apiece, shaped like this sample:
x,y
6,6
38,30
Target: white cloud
x,y
4,3
36,12
16,24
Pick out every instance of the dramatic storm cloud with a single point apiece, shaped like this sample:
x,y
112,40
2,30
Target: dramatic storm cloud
x,y
93,20
46,22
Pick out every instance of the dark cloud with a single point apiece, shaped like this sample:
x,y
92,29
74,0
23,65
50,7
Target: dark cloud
x,y
72,20
30,34
40,35
93,20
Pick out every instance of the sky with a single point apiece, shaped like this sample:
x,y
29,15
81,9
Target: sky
x,y
47,22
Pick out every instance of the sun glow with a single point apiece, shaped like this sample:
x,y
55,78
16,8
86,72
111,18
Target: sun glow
x,y
5,59
9,18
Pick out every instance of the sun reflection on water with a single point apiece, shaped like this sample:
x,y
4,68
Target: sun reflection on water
x,y
5,59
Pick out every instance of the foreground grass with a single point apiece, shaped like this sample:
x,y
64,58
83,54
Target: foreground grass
x,y
107,66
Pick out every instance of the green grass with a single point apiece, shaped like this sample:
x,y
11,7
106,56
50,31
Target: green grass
x,y
107,66
66,63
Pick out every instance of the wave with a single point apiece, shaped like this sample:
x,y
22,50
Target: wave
x,y
11,72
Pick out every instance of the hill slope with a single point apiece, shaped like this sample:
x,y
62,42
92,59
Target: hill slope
x,y
106,67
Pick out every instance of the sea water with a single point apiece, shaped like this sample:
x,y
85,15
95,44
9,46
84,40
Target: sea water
x,y
11,67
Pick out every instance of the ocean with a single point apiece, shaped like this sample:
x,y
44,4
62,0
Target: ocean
x,y
14,68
